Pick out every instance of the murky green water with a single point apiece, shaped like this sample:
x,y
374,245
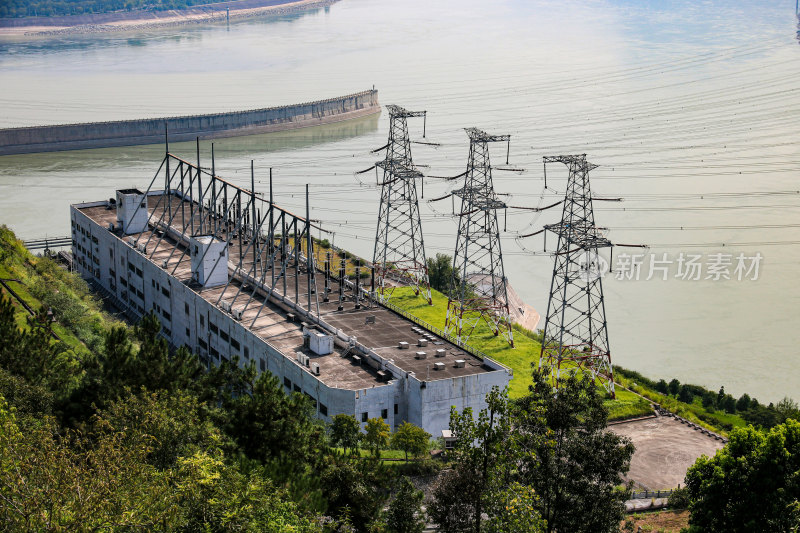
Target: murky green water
x,y
692,111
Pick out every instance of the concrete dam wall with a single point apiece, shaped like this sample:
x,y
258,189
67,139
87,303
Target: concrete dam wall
x,y
187,128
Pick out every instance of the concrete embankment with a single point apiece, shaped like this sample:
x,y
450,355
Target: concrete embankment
x,y
187,128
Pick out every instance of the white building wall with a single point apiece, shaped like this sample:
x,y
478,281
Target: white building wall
x,y
188,319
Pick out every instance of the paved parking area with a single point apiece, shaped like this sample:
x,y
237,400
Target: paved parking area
x,y
665,449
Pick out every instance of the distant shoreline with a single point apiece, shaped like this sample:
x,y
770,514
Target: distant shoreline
x,y
147,20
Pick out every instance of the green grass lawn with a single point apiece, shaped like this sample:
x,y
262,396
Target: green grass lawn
x,y
519,359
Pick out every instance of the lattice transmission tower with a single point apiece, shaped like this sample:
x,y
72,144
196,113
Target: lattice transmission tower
x,y
399,256
478,286
575,331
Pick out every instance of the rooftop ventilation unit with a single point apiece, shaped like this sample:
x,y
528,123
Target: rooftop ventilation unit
x,y
403,345
165,263
459,363
440,352
209,260
225,306
421,355
438,366
237,313
315,369
132,210
422,342
320,343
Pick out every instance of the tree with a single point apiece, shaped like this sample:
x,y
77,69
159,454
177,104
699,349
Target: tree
x,y
481,457
662,386
440,272
355,489
564,453
377,435
411,439
685,394
517,512
750,485
788,408
345,431
404,514
743,403
674,386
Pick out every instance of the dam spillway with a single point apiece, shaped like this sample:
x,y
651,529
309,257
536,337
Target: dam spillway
x,y
88,135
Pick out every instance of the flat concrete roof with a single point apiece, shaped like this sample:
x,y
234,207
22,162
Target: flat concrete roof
x,y
376,327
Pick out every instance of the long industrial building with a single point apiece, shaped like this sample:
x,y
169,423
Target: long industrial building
x,y
231,274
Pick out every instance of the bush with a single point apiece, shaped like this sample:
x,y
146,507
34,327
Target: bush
x,y
679,499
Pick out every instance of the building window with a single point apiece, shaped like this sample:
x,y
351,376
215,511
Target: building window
x,y
112,273
323,409
153,283
384,413
235,344
186,308
202,321
297,388
111,253
139,272
395,408
188,333
203,344
263,365
213,352
166,315
246,352
165,292
364,417
287,383
224,336
213,327
123,282
167,332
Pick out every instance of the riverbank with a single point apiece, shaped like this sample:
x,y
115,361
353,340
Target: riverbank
x,y
142,20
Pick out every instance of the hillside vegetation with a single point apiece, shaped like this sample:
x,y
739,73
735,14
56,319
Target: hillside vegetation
x,y
51,8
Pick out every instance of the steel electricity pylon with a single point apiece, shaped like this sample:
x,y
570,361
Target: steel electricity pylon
x,y
575,331
399,256
478,286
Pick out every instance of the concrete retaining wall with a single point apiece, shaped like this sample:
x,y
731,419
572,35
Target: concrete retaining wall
x,y
187,128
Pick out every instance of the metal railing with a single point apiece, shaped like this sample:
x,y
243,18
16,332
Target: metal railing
x,y
647,494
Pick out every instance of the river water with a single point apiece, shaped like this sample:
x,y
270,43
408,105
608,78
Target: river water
x,y
691,109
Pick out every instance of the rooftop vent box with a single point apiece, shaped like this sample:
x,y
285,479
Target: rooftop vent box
x,y
440,352
320,343
132,210
403,345
421,355
384,376
315,369
460,363
438,366
209,261
422,342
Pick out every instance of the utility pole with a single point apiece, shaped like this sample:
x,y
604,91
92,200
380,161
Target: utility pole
x,y
575,331
399,247
478,286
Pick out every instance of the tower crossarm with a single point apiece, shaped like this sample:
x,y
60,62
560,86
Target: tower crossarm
x,y
478,135
397,111
582,234
398,169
